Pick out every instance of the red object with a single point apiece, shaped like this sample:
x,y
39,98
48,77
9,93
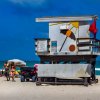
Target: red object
x,y
23,73
5,65
32,72
0,75
13,67
72,48
35,70
93,28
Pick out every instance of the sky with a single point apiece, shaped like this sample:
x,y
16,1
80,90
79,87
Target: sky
x,y
18,27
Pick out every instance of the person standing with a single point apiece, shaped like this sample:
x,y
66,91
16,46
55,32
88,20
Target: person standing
x,y
7,70
35,72
12,72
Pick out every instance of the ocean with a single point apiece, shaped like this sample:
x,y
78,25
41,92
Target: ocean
x,y
97,68
31,64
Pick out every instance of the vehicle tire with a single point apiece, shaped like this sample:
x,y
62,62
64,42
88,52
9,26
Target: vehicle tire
x,y
27,80
22,78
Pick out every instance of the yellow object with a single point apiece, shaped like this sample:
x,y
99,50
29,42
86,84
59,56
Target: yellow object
x,y
75,24
68,33
56,24
17,73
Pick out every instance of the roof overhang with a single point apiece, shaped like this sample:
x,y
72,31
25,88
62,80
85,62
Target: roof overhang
x,y
66,19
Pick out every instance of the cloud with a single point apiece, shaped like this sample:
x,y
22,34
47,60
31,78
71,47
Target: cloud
x,y
29,2
29,7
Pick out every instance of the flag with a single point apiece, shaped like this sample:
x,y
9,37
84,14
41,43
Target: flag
x,y
93,28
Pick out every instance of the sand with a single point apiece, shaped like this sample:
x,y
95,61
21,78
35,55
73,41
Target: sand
x,y
29,91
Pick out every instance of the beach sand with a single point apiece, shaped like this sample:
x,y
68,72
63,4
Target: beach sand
x,y
29,91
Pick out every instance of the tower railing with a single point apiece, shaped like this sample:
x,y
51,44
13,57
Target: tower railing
x,y
88,45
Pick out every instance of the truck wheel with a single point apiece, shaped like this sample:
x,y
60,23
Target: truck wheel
x,y
27,80
22,79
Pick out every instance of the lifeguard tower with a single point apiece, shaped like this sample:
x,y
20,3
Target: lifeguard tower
x,y
68,55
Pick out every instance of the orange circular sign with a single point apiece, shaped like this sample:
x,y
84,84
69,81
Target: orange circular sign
x,y
72,48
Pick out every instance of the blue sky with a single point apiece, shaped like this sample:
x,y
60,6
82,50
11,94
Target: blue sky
x,y
18,27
